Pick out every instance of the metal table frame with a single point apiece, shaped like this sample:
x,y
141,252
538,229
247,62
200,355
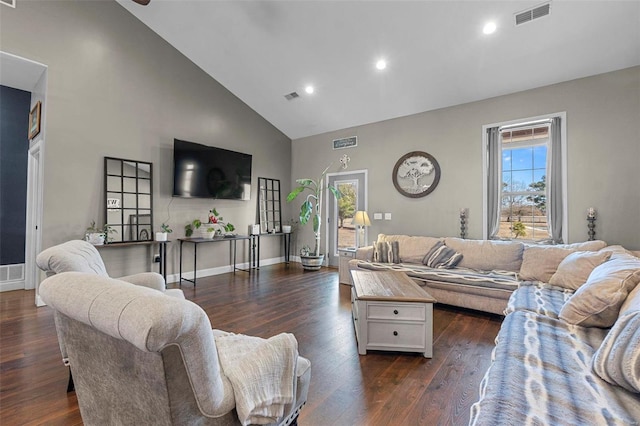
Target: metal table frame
x,y
286,237
233,243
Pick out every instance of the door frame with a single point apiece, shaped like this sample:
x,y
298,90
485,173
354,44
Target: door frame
x,y
31,76
365,175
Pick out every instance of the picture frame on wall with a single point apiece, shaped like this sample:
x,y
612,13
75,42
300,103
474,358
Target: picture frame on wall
x,y
34,120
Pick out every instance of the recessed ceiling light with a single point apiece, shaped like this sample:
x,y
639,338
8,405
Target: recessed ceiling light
x,y
309,89
381,64
489,28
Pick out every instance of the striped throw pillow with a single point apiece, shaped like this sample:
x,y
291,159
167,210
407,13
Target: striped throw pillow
x,y
442,257
386,252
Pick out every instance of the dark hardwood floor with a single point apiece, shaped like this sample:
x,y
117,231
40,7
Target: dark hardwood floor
x,y
380,388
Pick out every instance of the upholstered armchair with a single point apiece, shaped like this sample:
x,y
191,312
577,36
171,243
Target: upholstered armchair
x,y
81,256
140,357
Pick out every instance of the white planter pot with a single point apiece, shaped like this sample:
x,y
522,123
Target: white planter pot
x,y
95,238
286,229
162,236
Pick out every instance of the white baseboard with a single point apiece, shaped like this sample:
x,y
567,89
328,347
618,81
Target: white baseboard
x,y
12,277
173,278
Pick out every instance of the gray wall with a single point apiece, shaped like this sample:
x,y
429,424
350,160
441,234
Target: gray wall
x,y
117,89
14,144
603,141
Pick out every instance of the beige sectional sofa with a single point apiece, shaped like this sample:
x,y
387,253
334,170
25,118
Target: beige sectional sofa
x,y
484,278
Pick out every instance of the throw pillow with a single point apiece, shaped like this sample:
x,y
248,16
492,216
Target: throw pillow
x,y
386,252
597,303
442,257
574,270
617,360
539,263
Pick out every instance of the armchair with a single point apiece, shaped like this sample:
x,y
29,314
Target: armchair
x,y
81,256
140,357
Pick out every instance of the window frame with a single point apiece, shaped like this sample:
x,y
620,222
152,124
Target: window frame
x,y
485,161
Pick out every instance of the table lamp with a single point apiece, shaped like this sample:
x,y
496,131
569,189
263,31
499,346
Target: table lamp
x,y
361,219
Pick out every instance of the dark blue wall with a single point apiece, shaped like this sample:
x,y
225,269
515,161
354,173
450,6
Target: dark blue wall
x,y
14,147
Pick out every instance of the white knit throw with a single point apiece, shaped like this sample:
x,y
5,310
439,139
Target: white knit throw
x,y
262,373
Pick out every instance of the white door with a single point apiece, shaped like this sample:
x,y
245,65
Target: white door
x,y
341,233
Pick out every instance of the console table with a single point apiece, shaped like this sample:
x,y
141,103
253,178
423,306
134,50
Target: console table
x,y
232,241
162,251
286,237
391,313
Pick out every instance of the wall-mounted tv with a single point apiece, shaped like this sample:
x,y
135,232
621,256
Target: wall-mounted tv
x,y
201,171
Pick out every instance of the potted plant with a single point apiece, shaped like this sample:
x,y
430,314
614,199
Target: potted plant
x,y
164,234
97,235
311,208
215,225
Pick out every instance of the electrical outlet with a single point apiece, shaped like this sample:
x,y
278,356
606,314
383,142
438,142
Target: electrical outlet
x,y
387,216
156,258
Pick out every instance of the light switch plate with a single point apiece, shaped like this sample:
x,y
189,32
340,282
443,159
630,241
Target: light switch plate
x,y
387,216
377,216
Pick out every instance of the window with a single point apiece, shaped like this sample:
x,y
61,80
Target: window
x,y
525,190
523,212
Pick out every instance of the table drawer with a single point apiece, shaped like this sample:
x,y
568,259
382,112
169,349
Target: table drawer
x,y
405,311
391,334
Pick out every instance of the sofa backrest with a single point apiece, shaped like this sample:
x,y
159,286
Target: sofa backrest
x,y
412,249
488,254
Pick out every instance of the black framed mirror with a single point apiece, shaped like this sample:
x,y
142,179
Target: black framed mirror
x,y
269,205
128,189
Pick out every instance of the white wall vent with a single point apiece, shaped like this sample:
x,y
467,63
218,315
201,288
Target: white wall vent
x,y
10,3
12,277
291,96
531,14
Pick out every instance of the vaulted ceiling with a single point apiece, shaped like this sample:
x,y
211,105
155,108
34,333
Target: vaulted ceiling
x,y
437,54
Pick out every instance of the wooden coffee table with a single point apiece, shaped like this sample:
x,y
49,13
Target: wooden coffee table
x,y
391,313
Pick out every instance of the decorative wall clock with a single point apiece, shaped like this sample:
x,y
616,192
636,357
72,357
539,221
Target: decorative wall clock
x,y
416,174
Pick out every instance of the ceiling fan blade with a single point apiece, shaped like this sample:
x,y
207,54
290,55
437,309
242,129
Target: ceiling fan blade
x,y
142,2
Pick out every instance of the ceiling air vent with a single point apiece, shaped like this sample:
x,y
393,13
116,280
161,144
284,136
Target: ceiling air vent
x,y
531,14
10,3
291,96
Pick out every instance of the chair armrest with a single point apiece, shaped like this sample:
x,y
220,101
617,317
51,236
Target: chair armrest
x,y
146,279
365,253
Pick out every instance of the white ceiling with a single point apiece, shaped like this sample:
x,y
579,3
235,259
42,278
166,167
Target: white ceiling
x,y
436,51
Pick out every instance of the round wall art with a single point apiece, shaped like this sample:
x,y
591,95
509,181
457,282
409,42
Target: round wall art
x,y
416,174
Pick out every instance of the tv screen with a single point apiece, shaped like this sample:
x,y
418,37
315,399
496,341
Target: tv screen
x,y
201,171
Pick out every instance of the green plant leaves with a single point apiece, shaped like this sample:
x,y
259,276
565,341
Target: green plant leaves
x,y
305,211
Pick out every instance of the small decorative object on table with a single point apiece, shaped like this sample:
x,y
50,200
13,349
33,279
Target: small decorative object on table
x,y
164,234
591,219
214,226
463,223
97,235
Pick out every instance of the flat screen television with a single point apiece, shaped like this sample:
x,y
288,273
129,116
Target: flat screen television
x,y
201,171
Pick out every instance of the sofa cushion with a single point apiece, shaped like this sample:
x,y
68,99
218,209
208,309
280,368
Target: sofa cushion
x,y
574,269
539,263
441,256
597,303
594,245
411,248
486,255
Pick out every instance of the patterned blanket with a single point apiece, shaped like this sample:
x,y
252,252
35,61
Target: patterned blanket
x,y
541,375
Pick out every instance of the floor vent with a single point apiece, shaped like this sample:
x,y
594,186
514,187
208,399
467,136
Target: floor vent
x,y
531,14
10,3
291,96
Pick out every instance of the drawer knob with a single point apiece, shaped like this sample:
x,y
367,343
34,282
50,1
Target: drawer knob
x,y
395,333
395,311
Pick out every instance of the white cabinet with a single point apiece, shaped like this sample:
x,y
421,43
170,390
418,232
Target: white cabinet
x,y
343,267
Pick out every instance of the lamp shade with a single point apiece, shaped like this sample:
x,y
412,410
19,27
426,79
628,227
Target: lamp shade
x,y
361,218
